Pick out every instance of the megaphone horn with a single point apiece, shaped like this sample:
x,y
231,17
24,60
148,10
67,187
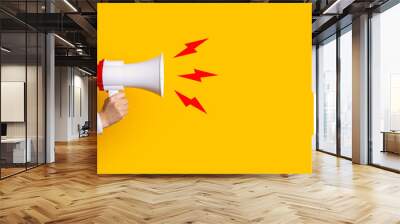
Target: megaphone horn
x,y
113,76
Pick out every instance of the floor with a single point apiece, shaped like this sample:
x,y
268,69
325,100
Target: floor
x,y
5,172
387,159
10,171
70,191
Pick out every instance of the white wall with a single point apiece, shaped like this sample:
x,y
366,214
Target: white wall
x,y
12,73
62,82
71,102
81,102
33,127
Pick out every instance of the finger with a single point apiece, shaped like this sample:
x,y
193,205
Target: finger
x,y
119,95
121,103
123,107
124,102
115,99
123,113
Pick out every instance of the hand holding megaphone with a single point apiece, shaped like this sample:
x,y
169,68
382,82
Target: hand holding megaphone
x,y
114,109
113,76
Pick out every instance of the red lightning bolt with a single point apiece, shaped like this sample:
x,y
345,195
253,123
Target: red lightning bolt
x,y
190,48
187,101
197,75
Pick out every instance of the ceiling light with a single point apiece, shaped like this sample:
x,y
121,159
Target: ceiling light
x,y
70,5
64,40
337,7
84,71
5,50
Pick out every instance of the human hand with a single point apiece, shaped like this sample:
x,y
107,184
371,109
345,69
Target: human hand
x,y
114,109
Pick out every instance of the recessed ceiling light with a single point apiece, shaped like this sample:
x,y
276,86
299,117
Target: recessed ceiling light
x,y
70,5
64,40
84,71
337,7
5,50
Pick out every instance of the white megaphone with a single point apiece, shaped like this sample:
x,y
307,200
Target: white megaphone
x,y
113,76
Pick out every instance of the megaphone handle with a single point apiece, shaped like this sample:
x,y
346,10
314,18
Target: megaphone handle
x,y
112,92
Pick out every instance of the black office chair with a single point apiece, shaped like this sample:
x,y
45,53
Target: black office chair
x,y
84,130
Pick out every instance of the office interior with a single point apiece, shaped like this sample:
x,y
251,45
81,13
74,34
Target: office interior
x,y
48,79
48,89
375,89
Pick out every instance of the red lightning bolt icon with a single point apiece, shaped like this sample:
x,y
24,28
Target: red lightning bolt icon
x,y
193,101
190,48
197,75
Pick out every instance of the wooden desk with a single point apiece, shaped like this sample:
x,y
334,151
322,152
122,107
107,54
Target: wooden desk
x,y
391,141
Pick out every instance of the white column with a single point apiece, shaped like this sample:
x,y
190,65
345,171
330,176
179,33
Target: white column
x,y
50,92
360,90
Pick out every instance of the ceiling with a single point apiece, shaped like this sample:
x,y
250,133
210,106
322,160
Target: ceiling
x,y
75,23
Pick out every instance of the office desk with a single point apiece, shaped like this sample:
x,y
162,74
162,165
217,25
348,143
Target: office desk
x,y
391,141
15,148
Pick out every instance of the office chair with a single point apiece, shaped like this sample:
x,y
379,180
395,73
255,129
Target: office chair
x,y
84,130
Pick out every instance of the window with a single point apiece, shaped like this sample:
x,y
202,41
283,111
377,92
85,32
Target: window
x,y
346,93
327,95
385,89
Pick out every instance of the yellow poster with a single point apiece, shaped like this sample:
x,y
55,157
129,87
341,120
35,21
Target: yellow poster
x,y
237,95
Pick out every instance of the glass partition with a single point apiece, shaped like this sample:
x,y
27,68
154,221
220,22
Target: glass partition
x,y
33,72
22,77
14,153
32,95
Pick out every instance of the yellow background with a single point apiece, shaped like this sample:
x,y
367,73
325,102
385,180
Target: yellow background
x,y
259,108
